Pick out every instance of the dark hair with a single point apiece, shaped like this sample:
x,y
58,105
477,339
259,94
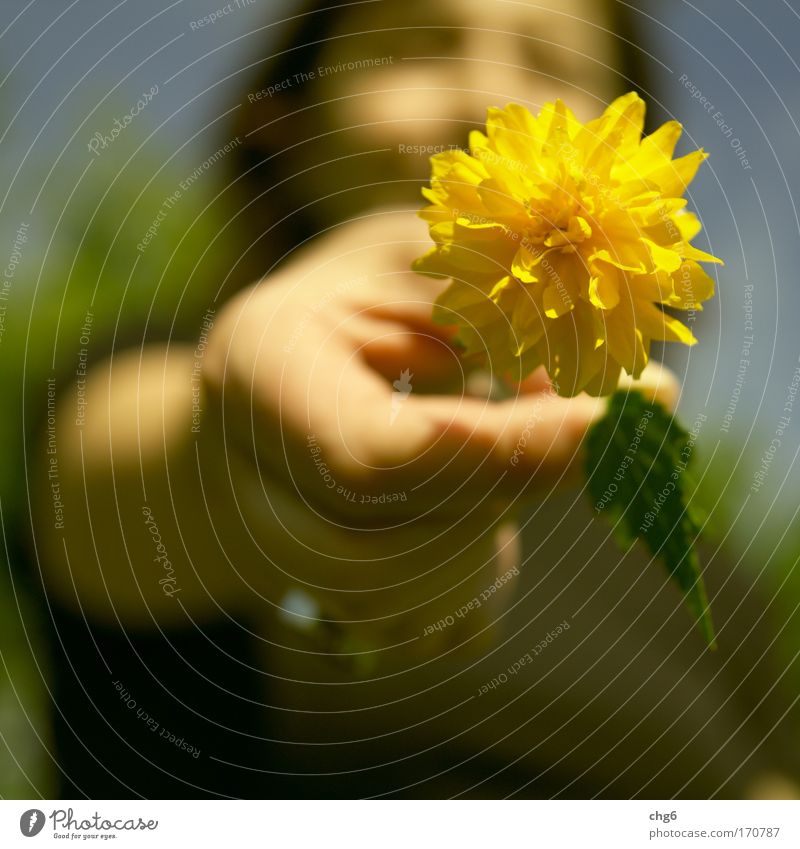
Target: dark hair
x,y
267,132
277,216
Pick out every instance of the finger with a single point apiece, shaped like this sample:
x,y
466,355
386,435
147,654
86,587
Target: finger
x,y
390,347
445,448
420,361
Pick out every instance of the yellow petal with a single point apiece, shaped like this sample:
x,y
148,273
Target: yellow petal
x,y
614,135
603,291
625,341
498,288
558,124
571,355
456,163
512,132
525,265
628,111
604,255
578,229
478,142
664,259
662,142
556,301
435,214
467,302
605,380
651,214
659,325
658,287
478,257
654,151
431,264
691,252
688,225
527,323
674,177
692,286
500,201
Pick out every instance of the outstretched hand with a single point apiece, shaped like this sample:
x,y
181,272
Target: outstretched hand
x,y
333,373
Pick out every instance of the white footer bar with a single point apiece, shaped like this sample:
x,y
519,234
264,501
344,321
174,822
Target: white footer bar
x,y
379,824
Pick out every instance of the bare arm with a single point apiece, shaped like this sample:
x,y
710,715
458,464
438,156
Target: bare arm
x,y
304,470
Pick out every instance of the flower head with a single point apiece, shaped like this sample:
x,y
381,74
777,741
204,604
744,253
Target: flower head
x,y
567,243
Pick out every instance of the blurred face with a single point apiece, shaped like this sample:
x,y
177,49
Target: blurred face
x,y
399,79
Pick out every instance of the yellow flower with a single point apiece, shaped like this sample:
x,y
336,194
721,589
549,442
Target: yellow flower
x,y
566,243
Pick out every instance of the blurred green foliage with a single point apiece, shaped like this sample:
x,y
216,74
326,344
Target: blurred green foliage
x,y
85,254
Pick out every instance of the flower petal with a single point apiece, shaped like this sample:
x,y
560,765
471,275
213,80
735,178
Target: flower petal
x,y
556,301
664,259
659,325
626,342
603,290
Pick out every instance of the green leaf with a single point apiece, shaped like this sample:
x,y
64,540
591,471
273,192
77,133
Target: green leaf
x,y
638,461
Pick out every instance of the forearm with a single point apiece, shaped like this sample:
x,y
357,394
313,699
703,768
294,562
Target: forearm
x,y
132,539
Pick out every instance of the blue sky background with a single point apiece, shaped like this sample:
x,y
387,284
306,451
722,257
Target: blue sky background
x,y
59,60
